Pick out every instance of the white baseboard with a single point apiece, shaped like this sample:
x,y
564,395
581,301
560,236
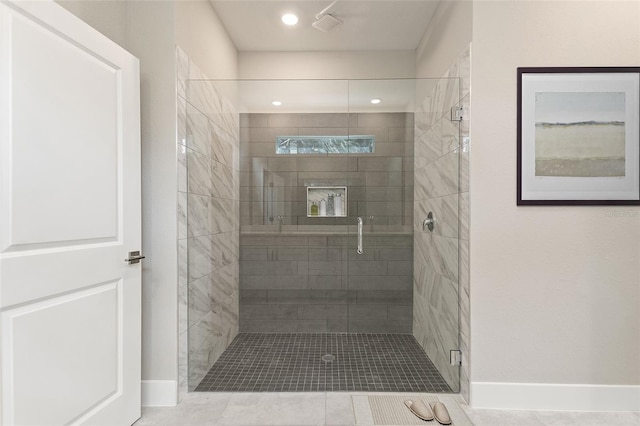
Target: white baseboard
x,y
540,396
159,393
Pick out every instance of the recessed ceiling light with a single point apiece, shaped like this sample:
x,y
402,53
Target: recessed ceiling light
x,y
375,101
289,19
276,103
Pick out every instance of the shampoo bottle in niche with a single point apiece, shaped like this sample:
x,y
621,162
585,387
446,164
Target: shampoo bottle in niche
x,y
314,209
338,206
331,211
323,207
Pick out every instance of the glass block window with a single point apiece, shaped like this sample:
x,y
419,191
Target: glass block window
x,y
361,144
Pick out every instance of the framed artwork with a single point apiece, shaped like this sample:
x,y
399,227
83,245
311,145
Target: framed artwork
x,y
578,136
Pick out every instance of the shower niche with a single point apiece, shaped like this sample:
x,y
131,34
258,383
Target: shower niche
x,y
326,201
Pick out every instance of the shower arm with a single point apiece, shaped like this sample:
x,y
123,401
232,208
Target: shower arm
x,y
325,10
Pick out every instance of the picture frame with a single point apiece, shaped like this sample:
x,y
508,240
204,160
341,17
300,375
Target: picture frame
x,y
578,136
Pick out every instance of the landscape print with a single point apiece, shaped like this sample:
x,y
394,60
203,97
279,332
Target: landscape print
x,y
580,134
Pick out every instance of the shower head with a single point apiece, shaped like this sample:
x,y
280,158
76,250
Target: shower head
x,y
326,23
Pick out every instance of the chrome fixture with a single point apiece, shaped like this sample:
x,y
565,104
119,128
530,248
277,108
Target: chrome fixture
x,y
429,222
359,250
456,113
134,257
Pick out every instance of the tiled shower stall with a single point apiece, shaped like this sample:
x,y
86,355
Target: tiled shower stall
x,y
287,272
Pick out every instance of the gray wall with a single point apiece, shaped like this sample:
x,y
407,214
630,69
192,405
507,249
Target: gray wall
x,y
304,275
555,290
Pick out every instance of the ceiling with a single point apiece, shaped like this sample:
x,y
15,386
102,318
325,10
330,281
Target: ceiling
x,y
368,25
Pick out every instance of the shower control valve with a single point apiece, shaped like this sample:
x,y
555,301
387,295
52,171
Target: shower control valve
x,y
429,222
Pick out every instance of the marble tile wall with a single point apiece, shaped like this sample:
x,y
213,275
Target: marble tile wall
x,y
295,281
441,261
209,229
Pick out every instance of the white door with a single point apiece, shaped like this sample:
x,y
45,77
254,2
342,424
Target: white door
x,y
70,213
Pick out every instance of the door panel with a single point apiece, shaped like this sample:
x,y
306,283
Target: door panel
x,y
50,185
70,205
70,363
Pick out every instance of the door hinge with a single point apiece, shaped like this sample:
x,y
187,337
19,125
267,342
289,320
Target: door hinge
x,y
456,113
455,357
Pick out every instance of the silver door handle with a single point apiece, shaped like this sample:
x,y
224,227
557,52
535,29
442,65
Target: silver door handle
x,y
134,257
359,250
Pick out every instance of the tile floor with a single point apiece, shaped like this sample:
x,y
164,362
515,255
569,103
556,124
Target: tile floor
x,y
342,409
296,362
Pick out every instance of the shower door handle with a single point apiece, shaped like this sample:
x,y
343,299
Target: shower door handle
x,y
359,250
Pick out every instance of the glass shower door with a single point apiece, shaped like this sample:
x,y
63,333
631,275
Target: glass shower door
x,y
380,275
403,278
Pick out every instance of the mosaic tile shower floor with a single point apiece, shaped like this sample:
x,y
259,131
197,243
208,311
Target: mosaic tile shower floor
x,y
312,362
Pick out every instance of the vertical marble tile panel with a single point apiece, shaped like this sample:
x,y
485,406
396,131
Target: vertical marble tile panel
x,y
465,152
199,173
181,120
444,256
182,215
230,117
222,180
422,187
464,266
422,119
181,159
221,146
199,294
465,340
183,308
198,132
201,341
235,216
183,266
450,134
201,93
200,257
183,365
441,176
221,215
198,215
427,149
222,249
224,285
208,267
464,73
464,215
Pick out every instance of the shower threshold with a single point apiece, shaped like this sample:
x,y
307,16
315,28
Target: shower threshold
x,y
321,362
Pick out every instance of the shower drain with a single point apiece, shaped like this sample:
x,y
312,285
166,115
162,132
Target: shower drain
x,y
328,358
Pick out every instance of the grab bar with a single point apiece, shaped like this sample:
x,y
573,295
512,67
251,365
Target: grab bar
x,y
359,250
